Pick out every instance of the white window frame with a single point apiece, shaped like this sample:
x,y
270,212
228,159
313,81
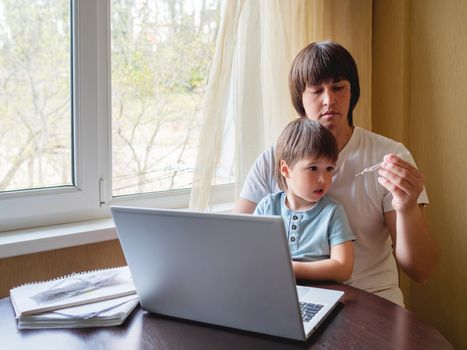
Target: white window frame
x,y
91,197
22,209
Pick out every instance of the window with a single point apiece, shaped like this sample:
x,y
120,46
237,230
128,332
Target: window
x,y
161,55
35,95
99,104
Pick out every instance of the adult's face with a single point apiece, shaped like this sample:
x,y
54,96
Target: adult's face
x,y
328,103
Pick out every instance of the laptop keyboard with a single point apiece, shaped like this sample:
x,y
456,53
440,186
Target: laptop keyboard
x,y
309,310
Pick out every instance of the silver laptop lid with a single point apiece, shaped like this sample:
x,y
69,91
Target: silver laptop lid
x,y
232,270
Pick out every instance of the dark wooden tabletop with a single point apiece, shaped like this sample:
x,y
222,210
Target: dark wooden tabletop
x,y
361,321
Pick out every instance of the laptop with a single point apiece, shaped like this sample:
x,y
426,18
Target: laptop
x,y
231,270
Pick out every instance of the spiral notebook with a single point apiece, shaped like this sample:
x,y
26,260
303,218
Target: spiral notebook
x,y
105,313
72,290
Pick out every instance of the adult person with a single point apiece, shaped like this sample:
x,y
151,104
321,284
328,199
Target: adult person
x,y
384,208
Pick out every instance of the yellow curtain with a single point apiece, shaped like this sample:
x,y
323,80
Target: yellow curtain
x,y
257,42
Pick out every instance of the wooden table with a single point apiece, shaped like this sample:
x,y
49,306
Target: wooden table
x,y
361,321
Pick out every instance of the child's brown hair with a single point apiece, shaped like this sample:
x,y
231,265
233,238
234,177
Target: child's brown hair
x,y
303,138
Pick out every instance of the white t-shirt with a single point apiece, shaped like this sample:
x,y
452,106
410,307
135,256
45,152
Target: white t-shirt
x,y
364,200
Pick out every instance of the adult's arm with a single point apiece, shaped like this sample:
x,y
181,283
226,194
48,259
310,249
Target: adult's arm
x,y
414,248
258,183
244,206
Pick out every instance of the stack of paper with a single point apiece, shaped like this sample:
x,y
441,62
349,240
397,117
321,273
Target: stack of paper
x,y
91,299
101,314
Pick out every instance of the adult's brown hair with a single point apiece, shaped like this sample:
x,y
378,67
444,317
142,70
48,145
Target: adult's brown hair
x,y
319,62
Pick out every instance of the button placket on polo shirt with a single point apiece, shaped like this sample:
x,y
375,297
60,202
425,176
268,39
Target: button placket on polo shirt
x,y
294,226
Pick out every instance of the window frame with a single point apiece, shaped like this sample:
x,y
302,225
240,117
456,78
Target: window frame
x,y
91,196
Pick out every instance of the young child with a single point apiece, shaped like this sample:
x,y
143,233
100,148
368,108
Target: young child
x,y
319,235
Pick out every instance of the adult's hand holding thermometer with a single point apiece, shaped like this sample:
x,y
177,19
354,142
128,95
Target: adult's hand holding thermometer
x,y
377,166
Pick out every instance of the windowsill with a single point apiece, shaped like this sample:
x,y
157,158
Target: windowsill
x,y
46,238
41,239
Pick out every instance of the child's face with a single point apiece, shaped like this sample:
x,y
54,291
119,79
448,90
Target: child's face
x,y
307,181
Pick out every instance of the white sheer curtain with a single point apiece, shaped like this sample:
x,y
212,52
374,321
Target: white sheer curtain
x,y
257,42
215,102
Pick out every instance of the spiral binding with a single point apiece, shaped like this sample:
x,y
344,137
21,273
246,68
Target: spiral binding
x,y
73,274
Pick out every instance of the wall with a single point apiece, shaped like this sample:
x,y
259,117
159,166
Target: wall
x,y
419,96
43,266
390,92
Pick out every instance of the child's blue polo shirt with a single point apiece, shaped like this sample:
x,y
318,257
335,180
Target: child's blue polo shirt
x,y
310,233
